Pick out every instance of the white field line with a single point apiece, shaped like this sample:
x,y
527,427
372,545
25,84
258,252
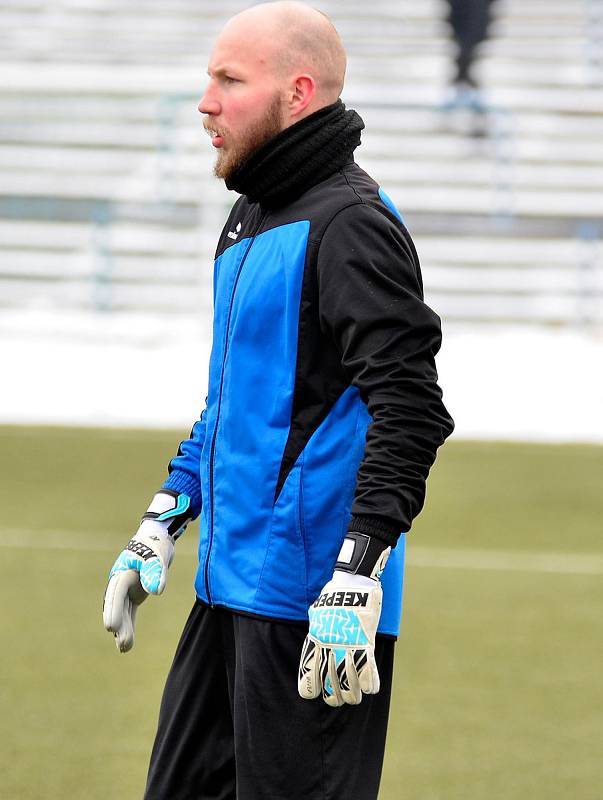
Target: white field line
x,y
506,560
429,557
85,542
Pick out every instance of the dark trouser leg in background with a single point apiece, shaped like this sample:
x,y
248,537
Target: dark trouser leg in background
x,y
193,755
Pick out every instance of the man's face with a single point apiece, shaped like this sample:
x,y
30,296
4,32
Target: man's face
x,y
243,100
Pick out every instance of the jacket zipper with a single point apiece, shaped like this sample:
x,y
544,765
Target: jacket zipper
x,y
215,433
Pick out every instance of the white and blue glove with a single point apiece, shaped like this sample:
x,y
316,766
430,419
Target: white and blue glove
x,y
338,656
141,569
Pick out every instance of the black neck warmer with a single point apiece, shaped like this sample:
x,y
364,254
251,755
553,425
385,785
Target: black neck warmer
x,y
299,157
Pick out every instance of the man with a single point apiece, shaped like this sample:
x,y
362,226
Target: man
x,y
322,420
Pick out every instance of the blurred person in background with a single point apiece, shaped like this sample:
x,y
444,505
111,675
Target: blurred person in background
x,y
469,20
322,421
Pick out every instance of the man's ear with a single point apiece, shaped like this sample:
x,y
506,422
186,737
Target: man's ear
x,y
301,94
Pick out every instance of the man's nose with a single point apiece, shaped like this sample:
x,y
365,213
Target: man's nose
x,y
209,104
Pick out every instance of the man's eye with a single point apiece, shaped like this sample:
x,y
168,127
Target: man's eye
x,y
229,79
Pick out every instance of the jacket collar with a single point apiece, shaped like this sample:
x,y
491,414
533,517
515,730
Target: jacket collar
x,y
299,157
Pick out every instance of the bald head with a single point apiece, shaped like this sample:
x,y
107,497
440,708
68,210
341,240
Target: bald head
x,y
271,66
296,39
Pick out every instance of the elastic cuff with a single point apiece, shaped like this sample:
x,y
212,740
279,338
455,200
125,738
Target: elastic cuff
x,y
171,508
377,527
360,554
183,483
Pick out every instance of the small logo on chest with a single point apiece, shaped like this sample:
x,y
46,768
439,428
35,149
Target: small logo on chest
x,y
234,234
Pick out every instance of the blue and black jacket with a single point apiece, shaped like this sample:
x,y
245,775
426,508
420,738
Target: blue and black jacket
x,y
323,412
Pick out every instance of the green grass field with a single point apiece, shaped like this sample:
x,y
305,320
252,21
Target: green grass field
x,y
498,691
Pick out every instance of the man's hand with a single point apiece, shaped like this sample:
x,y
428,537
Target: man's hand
x,y
141,569
338,656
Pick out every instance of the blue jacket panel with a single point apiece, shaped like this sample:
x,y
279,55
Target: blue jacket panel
x,y
256,554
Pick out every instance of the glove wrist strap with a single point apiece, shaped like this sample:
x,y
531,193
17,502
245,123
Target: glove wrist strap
x,y
172,509
362,554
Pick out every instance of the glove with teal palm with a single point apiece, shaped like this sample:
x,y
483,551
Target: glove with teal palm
x,y
338,656
141,569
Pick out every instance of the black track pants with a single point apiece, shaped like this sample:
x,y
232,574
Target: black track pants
x,y
233,727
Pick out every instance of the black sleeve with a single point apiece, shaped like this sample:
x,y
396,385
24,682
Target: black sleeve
x,y
371,304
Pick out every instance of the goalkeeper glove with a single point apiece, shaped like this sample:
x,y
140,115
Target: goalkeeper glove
x,y
141,569
338,656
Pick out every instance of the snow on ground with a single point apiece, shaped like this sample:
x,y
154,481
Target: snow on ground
x,y
523,382
139,370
